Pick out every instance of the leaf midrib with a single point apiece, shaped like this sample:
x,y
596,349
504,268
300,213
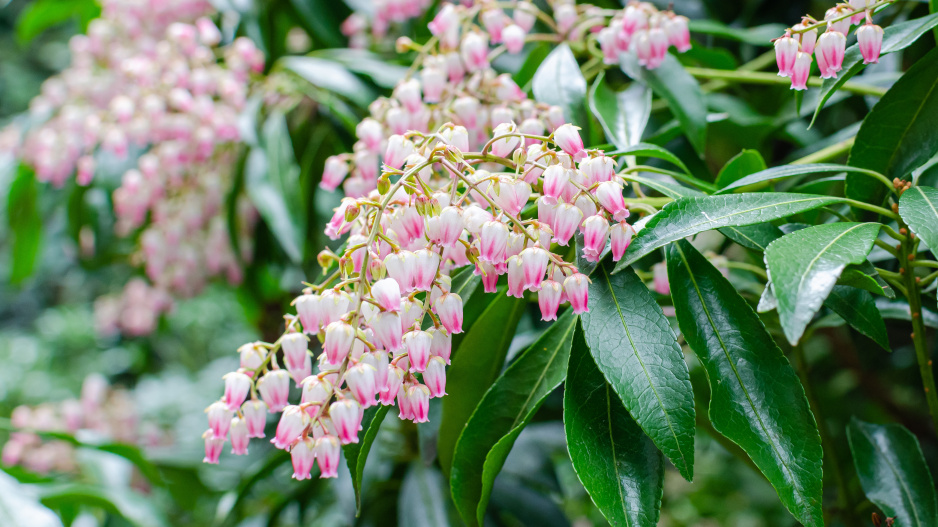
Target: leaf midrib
x,y
817,257
927,201
905,132
540,378
885,456
801,498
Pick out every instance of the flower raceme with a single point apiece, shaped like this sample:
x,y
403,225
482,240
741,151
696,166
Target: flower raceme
x,y
386,315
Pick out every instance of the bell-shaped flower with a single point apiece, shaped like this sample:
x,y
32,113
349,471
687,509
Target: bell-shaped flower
x,y
346,415
388,392
303,454
307,308
445,228
274,388
675,27
327,451
387,293
505,139
435,377
830,53
493,242
801,71
427,263
548,299
398,150
513,37
255,417
316,391
870,39
609,195
515,277
786,51
387,328
362,383
568,139
237,386
419,398
448,309
219,419
213,447
620,236
567,219
338,342
441,344
400,267
474,51
576,288
556,178
418,344
595,232
534,262
294,346
239,436
293,421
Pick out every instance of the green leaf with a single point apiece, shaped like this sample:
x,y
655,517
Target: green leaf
x,y
558,81
476,363
535,57
671,190
898,135
636,350
893,472
623,114
774,174
896,37
757,36
757,236
918,207
356,454
756,399
322,24
20,507
865,277
373,66
41,15
688,216
899,310
617,463
330,75
858,309
650,150
741,165
422,502
134,508
680,90
504,411
804,266
25,225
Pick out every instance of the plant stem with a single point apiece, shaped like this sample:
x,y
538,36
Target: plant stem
x,y
924,263
872,208
743,266
826,154
914,295
758,77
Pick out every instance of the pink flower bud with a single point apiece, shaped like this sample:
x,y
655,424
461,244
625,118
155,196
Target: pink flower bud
x,y
454,67
493,242
659,273
388,392
548,299
448,309
445,25
316,391
534,262
634,19
595,231
411,310
239,437
510,194
307,308
546,210
255,417
400,267
446,228
621,237
870,39
567,219
515,277
565,16
294,348
333,305
219,419
346,415
597,169
434,82
555,180
489,276
387,328
513,36
808,39
213,446
338,342
608,43
237,386
274,388
457,136
474,51
507,90
334,172
466,110
494,22
292,423
209,34
426,264
327,452
252,356
369,133
786,51
408,93
303,454
362,383
435,377
610,197
418,345
419,397
678,34
576,288
651,47
524,16
568,139
859,7
387,293
441,344
841,26
505,142
830,53
801,71
399,149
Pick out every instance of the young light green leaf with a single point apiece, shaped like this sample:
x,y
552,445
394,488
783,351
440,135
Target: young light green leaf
x,y
623,114
617,463
688,216
756,399
739,166
356,454
858,309
476,362
504,411
918,207
804,266
893,472
558,81
25,224
774,174
898,135
422,501
637,352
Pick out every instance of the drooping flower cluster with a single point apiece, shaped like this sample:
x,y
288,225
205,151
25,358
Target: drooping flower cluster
x,y
364,27
102,413
456,83
793,51
150,77
385,318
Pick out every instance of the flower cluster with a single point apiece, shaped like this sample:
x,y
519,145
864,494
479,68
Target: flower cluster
x,y
143,79
101,412
386,316
456,83
365,27
793,51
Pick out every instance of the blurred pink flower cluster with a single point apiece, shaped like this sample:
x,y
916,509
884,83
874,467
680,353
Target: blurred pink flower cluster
x,y
366,27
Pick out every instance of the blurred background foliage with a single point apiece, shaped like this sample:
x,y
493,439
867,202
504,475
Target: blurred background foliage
x,y
49,343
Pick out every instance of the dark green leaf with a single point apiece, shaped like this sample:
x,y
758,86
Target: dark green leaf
x,y
535,57
757,236
688,216
476,363
558,81
636,350
893,472
896,37
898,135
623,114
332,76
422,499
741,165
356,454
804,266
316,15
680,90
25,225
865,277
504,411
772,175
669,189
918,207
617,463
756,399
858,309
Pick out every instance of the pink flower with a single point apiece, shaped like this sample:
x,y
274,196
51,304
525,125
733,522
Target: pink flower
x,y
213,446
418,344
398,150
566,220
346,416
513,36
292,423
219,419
801,71
294,348
474,51
524,15
511,195
446,228
388,392
568,139
274,388
338,341
505,142
576,287
426,265
493,242
445,25
369,133
610,197
327,456
333,305
387,293
786,51
494,22
237,386
408,93
449,310
621,236
441,344
659,273
556,178
361,381
870,39
566,17
534,262
307,308
434,82
807,39
595,231
317,391
489,276
608,43
678,34
303,454
435,377
830,53
597,169
239,437
841,26
255,417
548,299
515,277
634,19
419,398
387,328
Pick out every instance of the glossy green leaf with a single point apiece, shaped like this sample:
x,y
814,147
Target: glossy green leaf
x,y
558,81
356,454
804,266
650,150
896,37
865,277
757,236
618,464
637,352
774,174
893,472
756,399
918,207
680,90
688,216
332,76
671,190
858,309
41,15
320,22
622,114
422,501
476,363
739,166
898,135
25,225
504,411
